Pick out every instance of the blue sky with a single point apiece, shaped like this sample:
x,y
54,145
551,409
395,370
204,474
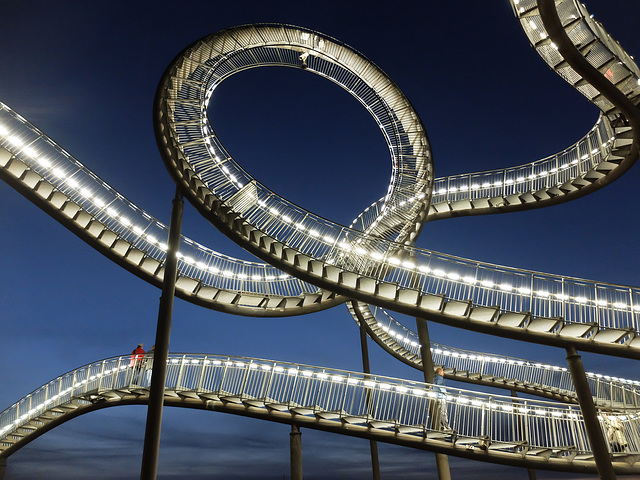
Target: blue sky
x,y
85,73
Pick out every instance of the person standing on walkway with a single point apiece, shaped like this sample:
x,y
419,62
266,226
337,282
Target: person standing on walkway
x,y
615,433
442,419
136,363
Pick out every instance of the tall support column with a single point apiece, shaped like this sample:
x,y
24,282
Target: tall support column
x,y
375,461
590,415
442,461
521,425
295,445
151,448
3,466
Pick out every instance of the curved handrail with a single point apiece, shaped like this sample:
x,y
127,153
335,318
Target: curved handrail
x,y
537,184
496,370
210,61
74,195
533,432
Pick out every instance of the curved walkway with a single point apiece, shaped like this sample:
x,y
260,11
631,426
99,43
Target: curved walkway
x,y
314,263
529,306
608,314
490,428
495,370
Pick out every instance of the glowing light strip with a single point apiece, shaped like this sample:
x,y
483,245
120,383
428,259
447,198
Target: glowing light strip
x,y
402,337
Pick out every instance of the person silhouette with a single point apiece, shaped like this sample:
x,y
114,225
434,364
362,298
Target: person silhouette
x,y
442,419
136,363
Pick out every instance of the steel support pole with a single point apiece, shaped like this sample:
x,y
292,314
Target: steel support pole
x,y
151,448
3,466
590,415
295,446
531,472
373,445
442,461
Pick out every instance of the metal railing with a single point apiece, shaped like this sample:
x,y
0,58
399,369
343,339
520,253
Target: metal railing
x,y
617,393
205,66
349,396
548,172
576,160
132,224
575,300
589,36
545,295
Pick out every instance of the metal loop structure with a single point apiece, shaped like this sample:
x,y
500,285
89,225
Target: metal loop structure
x,y
313,263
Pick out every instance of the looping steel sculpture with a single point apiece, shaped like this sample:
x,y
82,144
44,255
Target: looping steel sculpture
x,y
376,262
314,263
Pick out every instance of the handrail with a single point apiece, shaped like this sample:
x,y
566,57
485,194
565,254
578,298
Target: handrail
x,y
536,378
346,396
592,150
106,205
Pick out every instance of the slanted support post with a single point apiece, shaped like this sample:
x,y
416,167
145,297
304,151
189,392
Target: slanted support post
x,y
590,415
151,447
373,445
530,471
295,445
442,460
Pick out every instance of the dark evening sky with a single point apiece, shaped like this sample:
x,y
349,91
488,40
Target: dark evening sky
x,y
85,73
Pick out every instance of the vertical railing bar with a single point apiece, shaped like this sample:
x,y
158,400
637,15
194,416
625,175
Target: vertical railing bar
x,y
202,372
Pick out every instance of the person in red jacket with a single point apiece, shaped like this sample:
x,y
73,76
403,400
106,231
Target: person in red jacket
x,y
137,363
148,365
